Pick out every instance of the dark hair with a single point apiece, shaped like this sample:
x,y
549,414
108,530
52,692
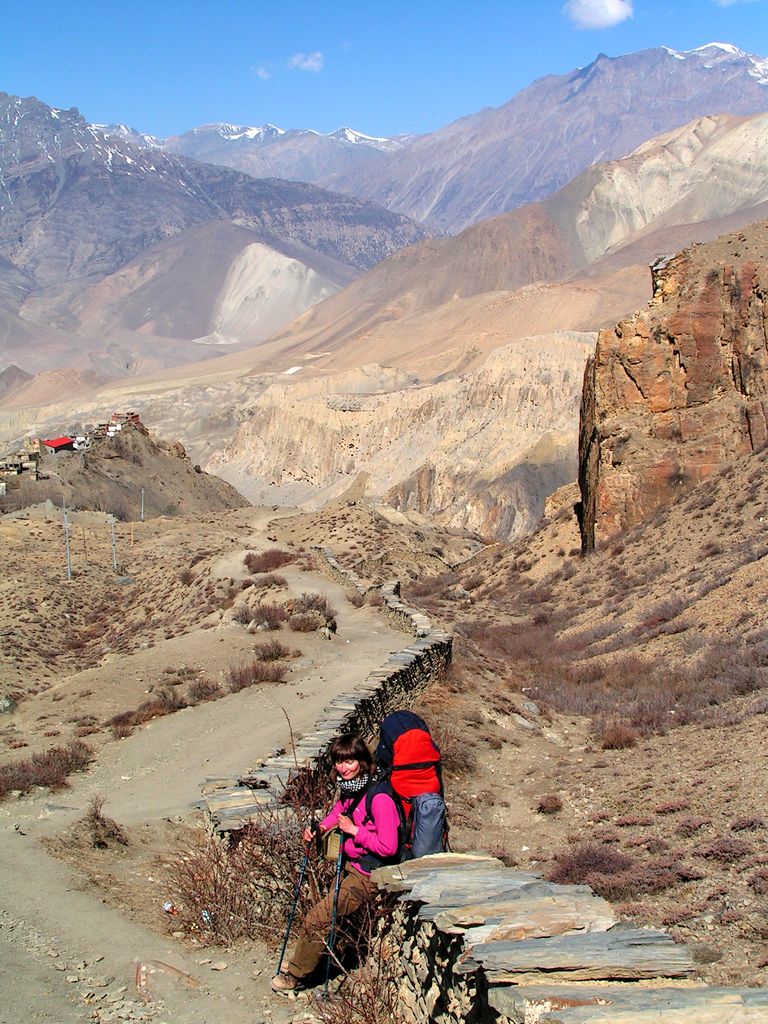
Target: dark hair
x,y
351,745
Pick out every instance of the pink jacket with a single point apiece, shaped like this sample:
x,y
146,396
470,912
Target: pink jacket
x,y
379,836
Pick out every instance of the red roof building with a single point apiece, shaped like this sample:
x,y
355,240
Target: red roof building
x,y
60,444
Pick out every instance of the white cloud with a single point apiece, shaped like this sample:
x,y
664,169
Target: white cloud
x,y
598,13
306,62
732,3
262,72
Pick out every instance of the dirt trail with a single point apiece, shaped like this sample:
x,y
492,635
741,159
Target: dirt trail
x,y
49,916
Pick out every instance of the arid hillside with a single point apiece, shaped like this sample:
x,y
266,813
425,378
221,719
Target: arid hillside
x,y
112,474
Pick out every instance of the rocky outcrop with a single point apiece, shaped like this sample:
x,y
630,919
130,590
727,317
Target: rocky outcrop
x,y
680,388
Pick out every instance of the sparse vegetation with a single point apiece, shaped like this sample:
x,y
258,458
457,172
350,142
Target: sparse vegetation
x,y
549,803
271,650
164,702
102,831
202,690
49,769
267,561
245,888
249,673
306,622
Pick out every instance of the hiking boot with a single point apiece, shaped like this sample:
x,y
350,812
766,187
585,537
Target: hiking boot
x,y
285,983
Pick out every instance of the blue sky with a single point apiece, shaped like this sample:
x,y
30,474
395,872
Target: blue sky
x,y
381,67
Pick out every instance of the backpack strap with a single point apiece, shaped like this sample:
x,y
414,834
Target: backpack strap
x,y
370,861
414,765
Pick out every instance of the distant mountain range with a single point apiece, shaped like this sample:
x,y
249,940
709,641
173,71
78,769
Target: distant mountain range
x,y
120,256
77,206
501,158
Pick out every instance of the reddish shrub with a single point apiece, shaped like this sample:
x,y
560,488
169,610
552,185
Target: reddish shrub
x,y
50,768
203,690
725,850
269,614
314,603
630,820
759,882
272,650
619,736
672,807
689,826
680,914
550,803
164,702
269,579
747,824
267,561
589,858
239,677
306,622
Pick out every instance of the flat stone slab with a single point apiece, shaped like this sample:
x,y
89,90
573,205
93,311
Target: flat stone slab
x,y
527,918
629,1004
622,952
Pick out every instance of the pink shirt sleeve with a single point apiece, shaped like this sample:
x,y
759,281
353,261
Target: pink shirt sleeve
x,y
331,818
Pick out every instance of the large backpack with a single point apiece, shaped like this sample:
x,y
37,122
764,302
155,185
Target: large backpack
x,y
408,761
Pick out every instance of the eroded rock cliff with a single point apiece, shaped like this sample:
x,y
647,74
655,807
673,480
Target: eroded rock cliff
x,y
481,451
678,389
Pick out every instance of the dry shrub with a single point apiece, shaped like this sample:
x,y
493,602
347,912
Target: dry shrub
x,y
550,803
355,598
759,882
573,866
240,677
271,650
747,824
244,889
269,579
611,874
314,603
50,768
242,614
269,614
618,736
725,850
267,561
306,622
374,598
435,586
690,826
164,702
369,994
186,576
102,831
672,807
203,690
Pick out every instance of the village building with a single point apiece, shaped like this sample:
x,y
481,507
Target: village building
x,y
59,444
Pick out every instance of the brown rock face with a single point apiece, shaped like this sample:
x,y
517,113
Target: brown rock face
x,y
680,388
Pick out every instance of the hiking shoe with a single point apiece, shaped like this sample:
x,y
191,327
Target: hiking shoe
x,y
285,983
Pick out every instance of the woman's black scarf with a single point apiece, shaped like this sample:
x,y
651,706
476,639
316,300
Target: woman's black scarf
x,y
351,787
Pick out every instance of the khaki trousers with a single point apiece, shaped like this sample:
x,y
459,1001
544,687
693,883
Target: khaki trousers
x,y
355,890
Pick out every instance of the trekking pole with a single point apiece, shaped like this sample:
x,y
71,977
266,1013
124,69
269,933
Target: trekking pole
x,y
334,911
294,905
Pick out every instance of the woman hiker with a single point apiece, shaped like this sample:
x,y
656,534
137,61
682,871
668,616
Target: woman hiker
x,y
366,844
